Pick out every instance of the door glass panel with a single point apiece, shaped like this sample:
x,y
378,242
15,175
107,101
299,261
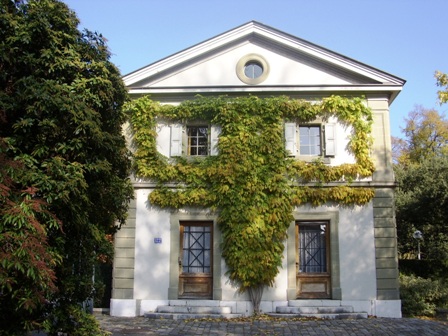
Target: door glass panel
x,y
313,248
196,251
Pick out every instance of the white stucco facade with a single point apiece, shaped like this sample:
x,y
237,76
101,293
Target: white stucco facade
x,y
362,239
358,285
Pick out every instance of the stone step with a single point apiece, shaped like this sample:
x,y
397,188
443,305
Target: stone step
x,y
194,310
329,316
315,310
194,303
179,316
314,303
329,311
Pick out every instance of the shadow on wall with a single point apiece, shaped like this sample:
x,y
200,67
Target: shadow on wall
x,y
357,253
152,252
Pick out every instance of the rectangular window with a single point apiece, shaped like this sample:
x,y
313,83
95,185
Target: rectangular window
x,y
192,140
310,140
197,140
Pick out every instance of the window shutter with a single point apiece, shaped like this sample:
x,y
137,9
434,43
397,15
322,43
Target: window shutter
x,y
176,140
330,139
291,138
215,131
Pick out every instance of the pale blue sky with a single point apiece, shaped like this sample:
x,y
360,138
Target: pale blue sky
x,y
406,38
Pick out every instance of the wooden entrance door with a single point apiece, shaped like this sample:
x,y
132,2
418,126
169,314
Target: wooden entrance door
x,y
313,260
195,260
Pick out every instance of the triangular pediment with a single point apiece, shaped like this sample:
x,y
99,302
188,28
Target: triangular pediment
x,y
287,63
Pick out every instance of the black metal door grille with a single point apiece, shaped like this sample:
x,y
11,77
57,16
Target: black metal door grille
x,y
313,248
196,249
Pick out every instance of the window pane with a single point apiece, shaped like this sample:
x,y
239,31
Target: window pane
x,y
315,150
305,150
253,70
304,140
201,151
314,140
197,140
310,140
192,131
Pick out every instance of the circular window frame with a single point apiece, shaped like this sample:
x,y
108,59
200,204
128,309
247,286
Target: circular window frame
x,y
252,58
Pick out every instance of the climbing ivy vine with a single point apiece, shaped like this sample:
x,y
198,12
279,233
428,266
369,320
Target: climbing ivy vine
x,y
252,181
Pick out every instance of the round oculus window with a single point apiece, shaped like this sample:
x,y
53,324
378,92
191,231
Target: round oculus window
x,y
252,69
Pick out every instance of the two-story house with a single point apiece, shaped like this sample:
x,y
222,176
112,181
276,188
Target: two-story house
x,y
333,255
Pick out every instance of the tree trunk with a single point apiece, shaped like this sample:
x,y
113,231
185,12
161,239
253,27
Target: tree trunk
x,y
255,294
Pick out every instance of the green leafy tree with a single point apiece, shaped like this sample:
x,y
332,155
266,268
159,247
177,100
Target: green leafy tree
x,y
398,144
60,121
442,81
422,204
27,277
421,169
421,296
425,136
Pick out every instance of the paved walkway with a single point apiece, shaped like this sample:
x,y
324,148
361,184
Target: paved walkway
x,y
139,326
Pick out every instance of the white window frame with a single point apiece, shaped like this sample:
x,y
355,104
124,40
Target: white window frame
x,y
327,140
189,147
179,139
311,145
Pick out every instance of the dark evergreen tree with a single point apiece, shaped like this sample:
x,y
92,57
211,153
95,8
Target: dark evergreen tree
x,y
60,127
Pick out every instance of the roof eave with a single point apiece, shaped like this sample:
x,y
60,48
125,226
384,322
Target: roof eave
x,y
390,91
